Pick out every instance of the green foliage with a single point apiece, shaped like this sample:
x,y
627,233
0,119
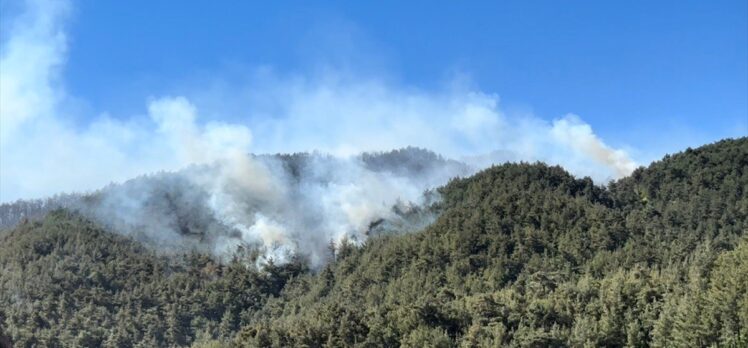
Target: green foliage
x,y
66,282
522,255
526,255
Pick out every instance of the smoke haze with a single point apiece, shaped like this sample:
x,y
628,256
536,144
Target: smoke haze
x,y
235,198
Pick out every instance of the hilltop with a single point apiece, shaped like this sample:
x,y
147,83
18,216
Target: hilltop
x,y
519,254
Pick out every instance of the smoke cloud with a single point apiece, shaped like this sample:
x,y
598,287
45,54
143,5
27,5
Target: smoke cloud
x,y
211,193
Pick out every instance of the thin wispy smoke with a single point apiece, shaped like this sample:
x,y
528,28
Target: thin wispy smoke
x,y
233,198
344,115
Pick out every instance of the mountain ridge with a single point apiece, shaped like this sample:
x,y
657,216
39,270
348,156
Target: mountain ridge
x,y
520,255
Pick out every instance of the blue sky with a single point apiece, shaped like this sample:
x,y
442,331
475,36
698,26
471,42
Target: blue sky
x,y
631,69
578,83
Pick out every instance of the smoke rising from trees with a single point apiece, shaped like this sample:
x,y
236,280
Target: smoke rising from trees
x,y
208,180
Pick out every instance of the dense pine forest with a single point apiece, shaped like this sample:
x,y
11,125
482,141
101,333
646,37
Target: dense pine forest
x,y
520,255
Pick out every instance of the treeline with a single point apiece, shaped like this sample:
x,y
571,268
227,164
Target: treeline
x,y
164,192
521,255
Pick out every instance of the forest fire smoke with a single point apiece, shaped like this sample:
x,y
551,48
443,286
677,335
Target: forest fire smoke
x,y
210,192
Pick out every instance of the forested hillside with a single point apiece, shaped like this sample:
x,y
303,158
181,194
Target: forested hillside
x,y
65,282
526,255
521,255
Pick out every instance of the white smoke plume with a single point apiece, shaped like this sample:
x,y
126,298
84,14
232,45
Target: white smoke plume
x,y
228,198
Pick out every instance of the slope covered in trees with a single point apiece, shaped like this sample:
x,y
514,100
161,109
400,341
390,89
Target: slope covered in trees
x,y
285,203
527,255
65,282
521,255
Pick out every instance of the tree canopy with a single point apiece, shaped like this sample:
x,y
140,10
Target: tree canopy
x,y
521,255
